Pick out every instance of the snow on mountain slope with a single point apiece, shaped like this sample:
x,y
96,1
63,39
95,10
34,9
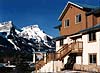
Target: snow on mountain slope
x,y
5,27
34,32
30,37
17,48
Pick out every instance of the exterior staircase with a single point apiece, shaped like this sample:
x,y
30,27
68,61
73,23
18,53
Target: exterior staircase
x,y
75,47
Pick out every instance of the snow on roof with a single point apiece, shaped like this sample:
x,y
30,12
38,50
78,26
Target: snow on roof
x,y
79,5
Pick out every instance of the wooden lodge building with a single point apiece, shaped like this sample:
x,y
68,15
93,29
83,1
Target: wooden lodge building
x,y
78,47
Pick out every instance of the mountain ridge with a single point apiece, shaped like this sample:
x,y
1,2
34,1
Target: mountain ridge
x,y
30,39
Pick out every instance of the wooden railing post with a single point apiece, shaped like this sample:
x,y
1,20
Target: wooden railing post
x,y
36,68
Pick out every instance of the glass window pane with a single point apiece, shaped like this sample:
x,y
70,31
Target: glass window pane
x,y
78,18
61,42
92,36
66,22
94,58
90,58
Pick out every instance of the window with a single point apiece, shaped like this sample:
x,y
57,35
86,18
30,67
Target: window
x,y
92,36
67,23
61,42
78,18
92,58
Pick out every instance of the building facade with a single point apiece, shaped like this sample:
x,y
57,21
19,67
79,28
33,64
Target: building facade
x,y
80,28
78,47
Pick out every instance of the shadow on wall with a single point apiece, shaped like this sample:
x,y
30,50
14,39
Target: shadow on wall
x,y
70,63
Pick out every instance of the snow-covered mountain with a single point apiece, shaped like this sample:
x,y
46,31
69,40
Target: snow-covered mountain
x,y
34,32
5,27
28,39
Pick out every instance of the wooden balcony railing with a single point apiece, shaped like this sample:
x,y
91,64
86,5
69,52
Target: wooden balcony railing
x,y
75,47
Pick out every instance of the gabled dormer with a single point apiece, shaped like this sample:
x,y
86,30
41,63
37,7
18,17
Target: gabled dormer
x,y
76,17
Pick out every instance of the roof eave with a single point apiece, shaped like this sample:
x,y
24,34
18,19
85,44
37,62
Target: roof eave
x,y
60,17
60,37
57,27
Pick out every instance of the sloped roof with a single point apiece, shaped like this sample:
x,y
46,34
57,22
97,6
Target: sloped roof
x,y
87,6
79,5
95,11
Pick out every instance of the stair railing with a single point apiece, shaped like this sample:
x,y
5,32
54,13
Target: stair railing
x,y
60,54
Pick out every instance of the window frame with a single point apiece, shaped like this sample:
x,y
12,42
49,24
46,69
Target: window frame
x,y
92,62
61,42
66,23
92,36
78,18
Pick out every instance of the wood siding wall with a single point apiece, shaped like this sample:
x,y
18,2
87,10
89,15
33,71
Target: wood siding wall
x,y
91,20
98,20
73,27
86,21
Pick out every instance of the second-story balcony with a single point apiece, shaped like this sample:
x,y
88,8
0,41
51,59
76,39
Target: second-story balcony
x,y
75,47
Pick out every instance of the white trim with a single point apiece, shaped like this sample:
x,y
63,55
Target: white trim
x,y
76,18
75,35
65,22
66,7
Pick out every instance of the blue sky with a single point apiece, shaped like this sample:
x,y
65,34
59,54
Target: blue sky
x,y
45,13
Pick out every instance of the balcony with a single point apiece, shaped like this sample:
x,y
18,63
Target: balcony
x,y
75,47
